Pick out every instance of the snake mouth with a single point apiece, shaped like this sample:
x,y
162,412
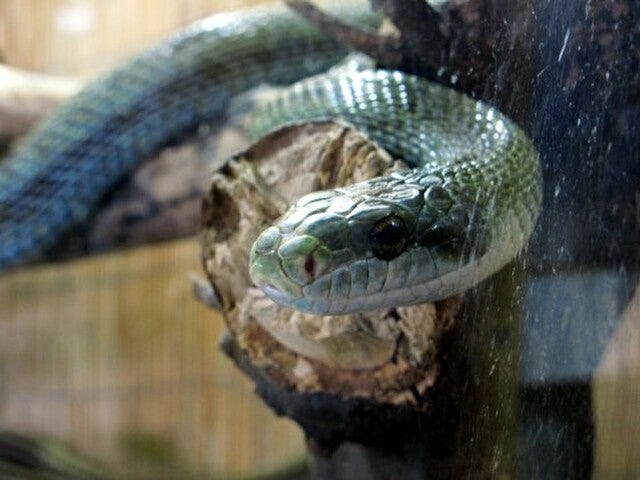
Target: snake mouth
x,y
274,293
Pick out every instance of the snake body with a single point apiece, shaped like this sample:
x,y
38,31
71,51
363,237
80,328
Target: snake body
x,y
465,206
51,183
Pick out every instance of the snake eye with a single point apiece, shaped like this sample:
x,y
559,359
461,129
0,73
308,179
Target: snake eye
x,y
388,237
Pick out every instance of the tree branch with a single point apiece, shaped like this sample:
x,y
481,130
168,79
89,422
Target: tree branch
x,y
419,25
386,49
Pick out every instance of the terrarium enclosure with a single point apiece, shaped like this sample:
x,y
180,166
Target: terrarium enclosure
x,y
137,345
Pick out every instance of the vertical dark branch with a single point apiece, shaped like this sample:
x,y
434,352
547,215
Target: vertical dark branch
x,y
386,49
420,27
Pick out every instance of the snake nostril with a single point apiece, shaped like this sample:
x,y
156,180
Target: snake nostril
x,y
310,265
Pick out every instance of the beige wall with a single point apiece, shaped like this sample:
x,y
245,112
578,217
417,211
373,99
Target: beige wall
x,y
79,36
111,353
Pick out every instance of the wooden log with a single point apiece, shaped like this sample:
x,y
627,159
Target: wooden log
x,y
372,379
487,49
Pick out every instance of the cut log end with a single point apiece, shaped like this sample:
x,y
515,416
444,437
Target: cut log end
x,y
356,377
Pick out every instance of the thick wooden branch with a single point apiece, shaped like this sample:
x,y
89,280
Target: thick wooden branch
x,y
420,27
374,379
488,49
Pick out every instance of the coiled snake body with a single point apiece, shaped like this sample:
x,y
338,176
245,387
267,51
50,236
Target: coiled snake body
x,y
464,209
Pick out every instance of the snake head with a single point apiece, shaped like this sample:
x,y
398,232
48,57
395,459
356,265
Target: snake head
x,y
376,244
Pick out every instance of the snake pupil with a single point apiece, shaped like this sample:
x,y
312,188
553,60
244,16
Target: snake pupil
x,y
388,237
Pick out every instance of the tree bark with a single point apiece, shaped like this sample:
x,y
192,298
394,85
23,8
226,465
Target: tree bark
x,y
479,417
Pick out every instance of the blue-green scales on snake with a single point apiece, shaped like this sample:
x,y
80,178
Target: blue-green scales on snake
x,y
463,210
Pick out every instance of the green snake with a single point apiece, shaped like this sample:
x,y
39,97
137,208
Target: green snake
x,y
464,208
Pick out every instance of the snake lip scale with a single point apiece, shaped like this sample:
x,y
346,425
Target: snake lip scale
x,y
464,208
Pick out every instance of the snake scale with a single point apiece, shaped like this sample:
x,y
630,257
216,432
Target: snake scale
x,y
465,206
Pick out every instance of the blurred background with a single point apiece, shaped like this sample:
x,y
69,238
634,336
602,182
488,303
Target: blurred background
x,y
113,356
